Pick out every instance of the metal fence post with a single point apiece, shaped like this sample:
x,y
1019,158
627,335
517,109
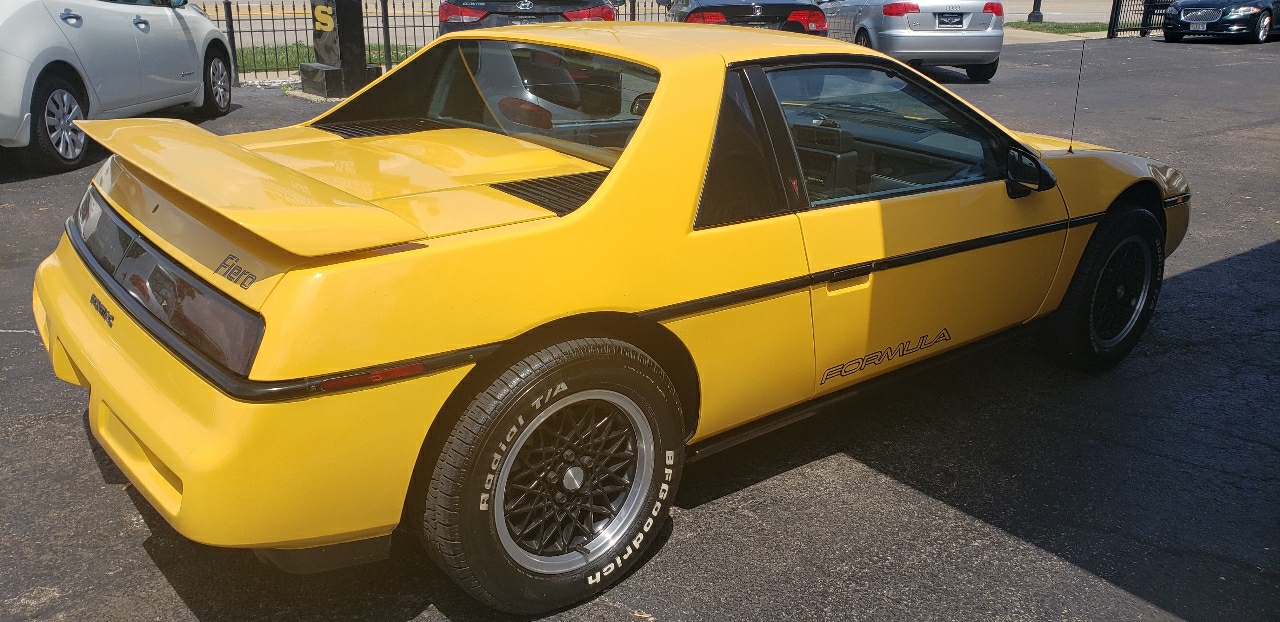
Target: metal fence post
x,y
633,10
1115,18
386,37
231,38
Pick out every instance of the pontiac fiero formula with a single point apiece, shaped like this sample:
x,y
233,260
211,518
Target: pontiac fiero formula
x,y
502,295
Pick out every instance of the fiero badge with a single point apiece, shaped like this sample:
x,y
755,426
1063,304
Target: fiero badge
x,y
887,354
230,270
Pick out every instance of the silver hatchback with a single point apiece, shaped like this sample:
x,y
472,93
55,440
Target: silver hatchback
x,y
966,34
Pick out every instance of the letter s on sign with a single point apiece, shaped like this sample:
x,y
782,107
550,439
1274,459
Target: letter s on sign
x,y
324,18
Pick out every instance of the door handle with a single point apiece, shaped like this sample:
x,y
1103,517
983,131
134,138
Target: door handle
x,y
67,16
138,21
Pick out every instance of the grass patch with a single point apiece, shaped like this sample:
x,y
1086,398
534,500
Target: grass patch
x,y
1059,28
288,57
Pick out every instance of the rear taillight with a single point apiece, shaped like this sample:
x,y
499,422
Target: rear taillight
x,y
598,13
813,21
525,112
453,13
898,9
206,319
994,8
706,17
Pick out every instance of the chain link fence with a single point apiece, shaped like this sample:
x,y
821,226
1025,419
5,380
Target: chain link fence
x,y
270,39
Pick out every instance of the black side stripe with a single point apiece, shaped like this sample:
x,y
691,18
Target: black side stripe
x,y
857,270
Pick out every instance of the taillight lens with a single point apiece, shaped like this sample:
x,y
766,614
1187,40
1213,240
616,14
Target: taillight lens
x,y
206,319
812,21
220,328
706,17
994,8
525,112
450,12
898,9
599,13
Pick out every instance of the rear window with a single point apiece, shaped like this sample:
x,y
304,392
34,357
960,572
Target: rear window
x,y
577,102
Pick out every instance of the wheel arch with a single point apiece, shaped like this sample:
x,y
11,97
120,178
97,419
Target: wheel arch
x,y
655,339
1143,194
64,69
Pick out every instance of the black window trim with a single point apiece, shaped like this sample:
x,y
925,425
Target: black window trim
x,y
753,100
1003,141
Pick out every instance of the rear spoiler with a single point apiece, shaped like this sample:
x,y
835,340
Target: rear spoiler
x,y
299,214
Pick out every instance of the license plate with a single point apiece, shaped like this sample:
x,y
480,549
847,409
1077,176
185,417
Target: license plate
x,y
757,25
526,21
1201,26
950,20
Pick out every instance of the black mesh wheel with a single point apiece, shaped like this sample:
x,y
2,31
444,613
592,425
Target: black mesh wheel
x,y
556,478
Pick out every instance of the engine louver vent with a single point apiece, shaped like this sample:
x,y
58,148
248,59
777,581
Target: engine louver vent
x,y
558,194
380,127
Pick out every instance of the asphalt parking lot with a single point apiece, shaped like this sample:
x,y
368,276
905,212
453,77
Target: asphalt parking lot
x,y
994,487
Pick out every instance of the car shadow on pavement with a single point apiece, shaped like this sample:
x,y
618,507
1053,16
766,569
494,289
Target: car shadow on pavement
x,y
1159,476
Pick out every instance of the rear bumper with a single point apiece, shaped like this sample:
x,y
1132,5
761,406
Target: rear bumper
x,y
942,48
224,472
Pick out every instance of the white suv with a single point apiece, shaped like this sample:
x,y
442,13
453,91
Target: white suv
x,y
63,60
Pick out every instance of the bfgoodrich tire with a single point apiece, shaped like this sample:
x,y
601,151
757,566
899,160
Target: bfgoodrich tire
x,y
557,477
982,73
1113,294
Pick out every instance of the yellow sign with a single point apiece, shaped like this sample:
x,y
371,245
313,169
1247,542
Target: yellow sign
x,y
324,18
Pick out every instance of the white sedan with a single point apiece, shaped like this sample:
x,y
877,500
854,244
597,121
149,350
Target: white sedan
x,y
65,60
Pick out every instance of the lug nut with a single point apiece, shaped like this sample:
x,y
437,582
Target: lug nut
x,y
568,454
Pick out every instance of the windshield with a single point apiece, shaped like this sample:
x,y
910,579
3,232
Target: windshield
x,y
576,102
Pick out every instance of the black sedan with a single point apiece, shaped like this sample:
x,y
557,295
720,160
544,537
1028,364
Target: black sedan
x,y
1253,20
470,14
793,15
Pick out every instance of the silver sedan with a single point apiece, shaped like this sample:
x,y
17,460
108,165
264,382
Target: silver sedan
x,y
966,34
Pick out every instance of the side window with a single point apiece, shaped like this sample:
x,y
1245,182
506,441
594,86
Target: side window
x,y
742,180
862,132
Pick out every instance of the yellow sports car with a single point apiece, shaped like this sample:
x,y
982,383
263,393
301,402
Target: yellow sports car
x,y
501,296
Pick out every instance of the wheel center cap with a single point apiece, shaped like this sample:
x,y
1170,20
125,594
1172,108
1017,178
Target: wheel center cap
x,y
572,478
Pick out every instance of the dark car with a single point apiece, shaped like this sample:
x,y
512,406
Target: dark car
x,y
468,14
793,15
1250,19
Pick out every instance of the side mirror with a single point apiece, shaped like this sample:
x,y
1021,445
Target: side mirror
x,y
640,104
664,3
177,4
1027,174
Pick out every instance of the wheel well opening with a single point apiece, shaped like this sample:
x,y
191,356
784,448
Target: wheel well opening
x,y
655,339
1144,194
64,70
217,46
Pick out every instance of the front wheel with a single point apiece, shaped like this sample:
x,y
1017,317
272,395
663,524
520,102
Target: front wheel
x,y
217,85
1113,294
556,478
982,73
1263,30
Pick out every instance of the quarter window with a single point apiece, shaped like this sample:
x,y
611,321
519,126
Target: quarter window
x,y
862,132
742,180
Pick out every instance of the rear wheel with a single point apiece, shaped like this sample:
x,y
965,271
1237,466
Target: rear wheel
x,y
863,39
217,84
982,73
556,478
1172,37
57,144
1113,294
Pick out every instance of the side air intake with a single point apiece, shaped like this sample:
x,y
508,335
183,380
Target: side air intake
x,y
561,194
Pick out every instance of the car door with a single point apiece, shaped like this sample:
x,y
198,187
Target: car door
x,y
169,63
101,33
911,235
